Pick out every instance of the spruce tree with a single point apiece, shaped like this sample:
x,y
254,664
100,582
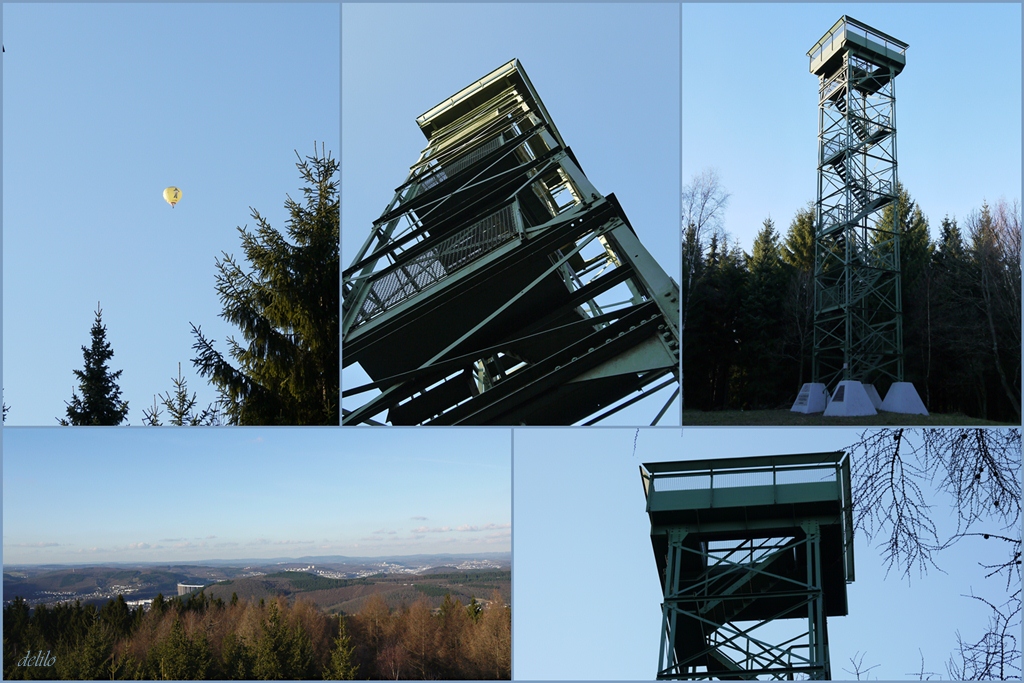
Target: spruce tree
x,y
286,304
181,408
798,253
172,655
236,658
762,319
342,666
100,402
271,653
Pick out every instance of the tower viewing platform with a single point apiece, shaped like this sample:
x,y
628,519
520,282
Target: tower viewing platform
x,y
744,542
851,36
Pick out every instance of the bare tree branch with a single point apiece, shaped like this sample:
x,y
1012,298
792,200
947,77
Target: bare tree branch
x,y
888,499
996,655
857,662
921,674
979,470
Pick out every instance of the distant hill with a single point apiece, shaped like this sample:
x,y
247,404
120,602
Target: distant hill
x,y
86,582
348,595
402,579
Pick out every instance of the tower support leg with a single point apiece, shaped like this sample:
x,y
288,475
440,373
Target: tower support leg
x,y
720,595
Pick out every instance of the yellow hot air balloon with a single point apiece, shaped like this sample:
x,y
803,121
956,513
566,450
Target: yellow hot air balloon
x,y
172,195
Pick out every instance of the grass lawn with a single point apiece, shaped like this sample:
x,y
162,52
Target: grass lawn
x,y
786,418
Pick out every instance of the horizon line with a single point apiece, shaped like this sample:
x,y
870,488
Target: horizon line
x,y
279,559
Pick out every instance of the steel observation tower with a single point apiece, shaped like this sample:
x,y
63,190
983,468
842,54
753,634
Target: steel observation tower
x,y
858,309
499,286
753,555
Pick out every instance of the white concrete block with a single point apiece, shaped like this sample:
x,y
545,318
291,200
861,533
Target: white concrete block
x,y
813,398
850,399
902,397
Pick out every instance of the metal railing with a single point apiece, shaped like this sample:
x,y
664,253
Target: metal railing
x,y
849,25
729,477
439,173
400,282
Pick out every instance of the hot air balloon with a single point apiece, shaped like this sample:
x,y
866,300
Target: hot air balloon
x,y
172,195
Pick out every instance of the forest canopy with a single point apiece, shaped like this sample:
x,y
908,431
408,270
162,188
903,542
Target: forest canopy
x,y
199,638
749,315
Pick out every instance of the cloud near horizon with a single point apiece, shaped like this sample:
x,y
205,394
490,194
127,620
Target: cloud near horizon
x,y
462,527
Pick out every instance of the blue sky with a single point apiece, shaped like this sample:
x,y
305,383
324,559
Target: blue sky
x,y
123,495
97,121
586,589
607,73
750,104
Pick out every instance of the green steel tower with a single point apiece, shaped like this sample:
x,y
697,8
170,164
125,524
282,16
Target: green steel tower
x,y
499,286
858,310
754,554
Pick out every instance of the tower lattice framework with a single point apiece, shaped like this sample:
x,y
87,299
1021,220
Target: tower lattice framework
x,y
499,286
753,554
858,311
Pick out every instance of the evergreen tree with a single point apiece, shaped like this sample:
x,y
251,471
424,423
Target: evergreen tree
x,y
91,659
761,320
158,606
915,240
172,655
100,402
236,658
298,661
117,616
474,608
181,407
951,365
798,249
270,660
181,656
915,256
798,253
342,666
287,308
22,636
704,202
712,347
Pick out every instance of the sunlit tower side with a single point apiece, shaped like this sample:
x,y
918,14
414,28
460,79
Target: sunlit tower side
x,y
753,554
858,310
499,286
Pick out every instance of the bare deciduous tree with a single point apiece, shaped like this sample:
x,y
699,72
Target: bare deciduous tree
x,y
979,470
704,202
892,468
996,243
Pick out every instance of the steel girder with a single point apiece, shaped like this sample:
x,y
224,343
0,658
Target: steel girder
x,y
858,313
728,603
